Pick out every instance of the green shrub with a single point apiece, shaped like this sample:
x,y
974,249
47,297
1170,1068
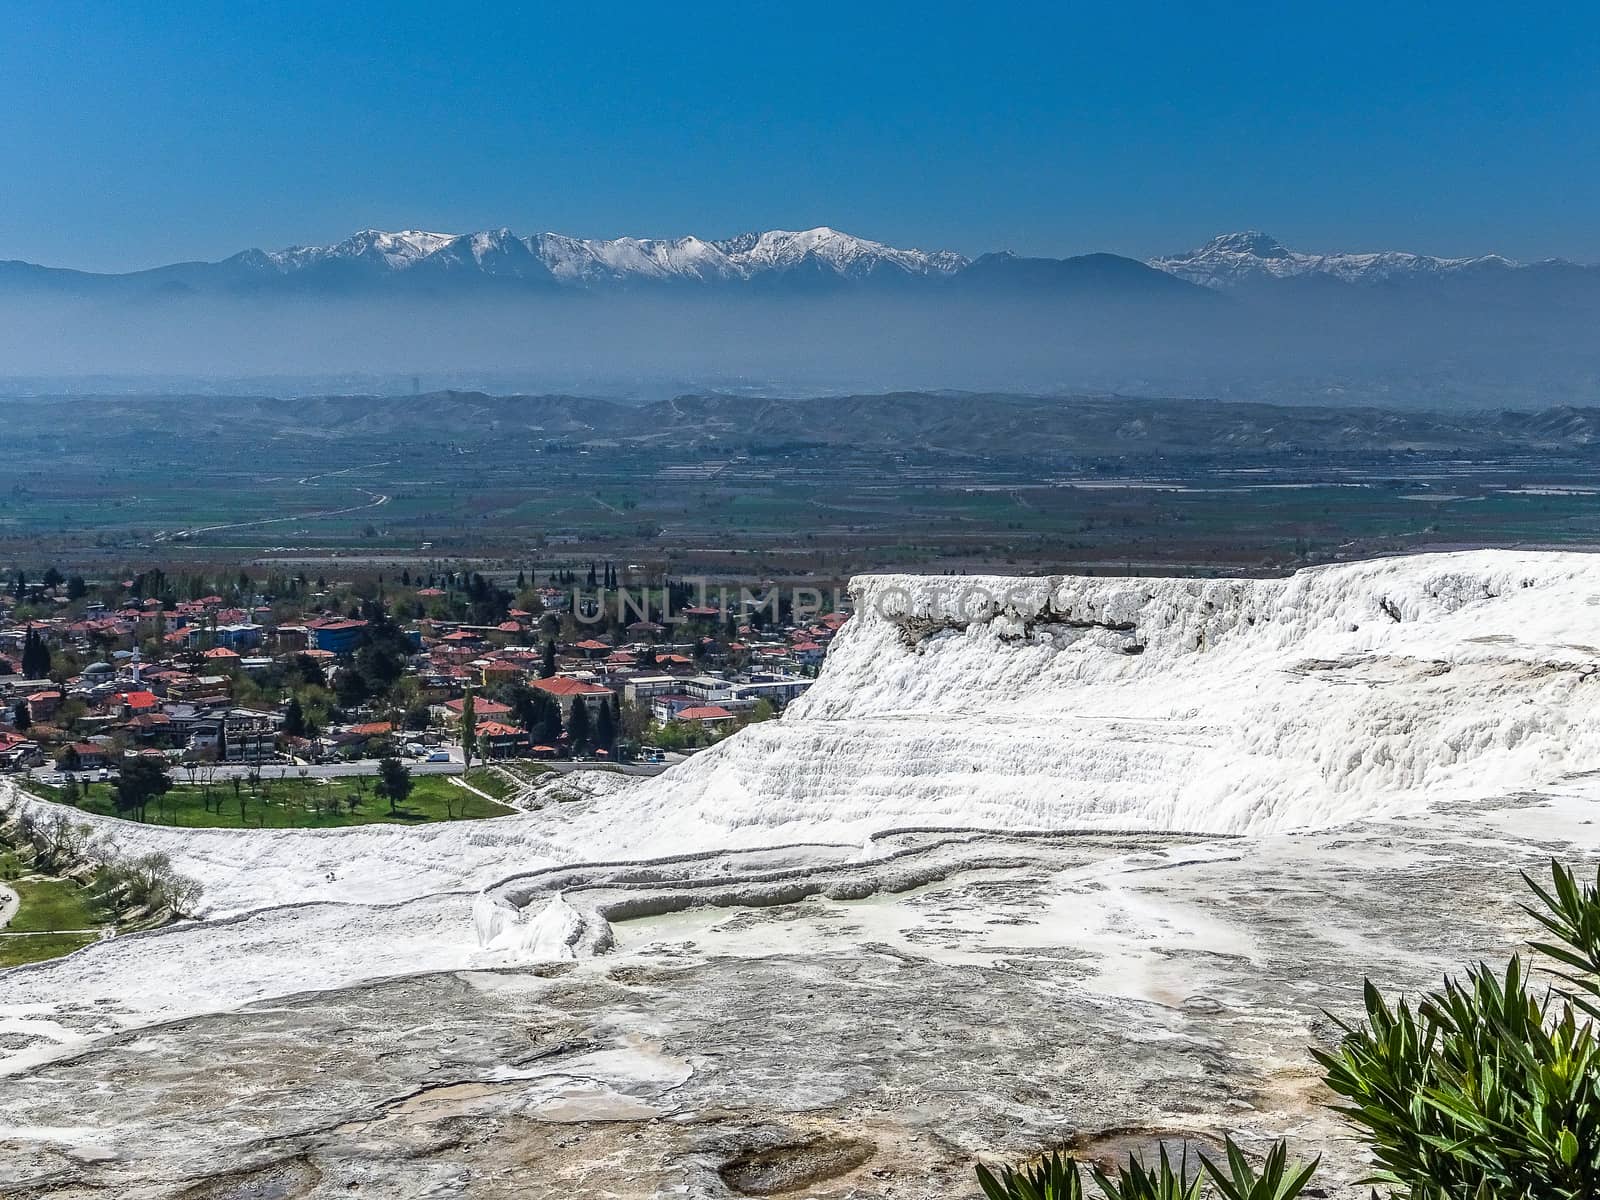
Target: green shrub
x,y
1486,1089
1059,1178
1056,1178
1137,1182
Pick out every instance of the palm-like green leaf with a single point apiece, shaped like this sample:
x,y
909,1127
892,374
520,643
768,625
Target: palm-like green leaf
x,y
1572,913
1056,1178
1137,1182
1278,1179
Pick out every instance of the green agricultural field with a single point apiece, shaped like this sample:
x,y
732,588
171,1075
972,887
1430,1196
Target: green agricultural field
x,y
909,483
297,804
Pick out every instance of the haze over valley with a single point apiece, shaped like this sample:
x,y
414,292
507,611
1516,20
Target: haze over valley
x,y
777,313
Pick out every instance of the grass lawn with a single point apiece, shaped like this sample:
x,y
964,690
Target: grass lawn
x,y
51,905
10,865
14,951
49,920
528,772
496,784
295,803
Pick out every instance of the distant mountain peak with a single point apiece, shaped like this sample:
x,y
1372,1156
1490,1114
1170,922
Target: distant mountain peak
x,y
1231,259
1250,241
395,250
844,253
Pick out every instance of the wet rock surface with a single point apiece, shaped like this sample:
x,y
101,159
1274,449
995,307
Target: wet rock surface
x,y
790,1166
1105,995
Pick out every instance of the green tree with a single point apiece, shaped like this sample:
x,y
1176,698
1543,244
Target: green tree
x,y
35,656
20,716
469,730
548,668
310,671
294,718
351,688
550,722
140,781
605,728
681,735
394,782
633,720
578,726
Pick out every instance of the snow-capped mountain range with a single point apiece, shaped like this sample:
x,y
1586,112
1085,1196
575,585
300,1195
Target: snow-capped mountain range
x,y
821,254
1236,258
1225,261
585,261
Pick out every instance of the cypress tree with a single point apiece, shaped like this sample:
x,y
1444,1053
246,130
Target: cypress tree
x,y
578,734
35,656
294,718
469,730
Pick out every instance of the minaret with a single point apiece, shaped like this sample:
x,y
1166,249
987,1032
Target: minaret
x,y
136,663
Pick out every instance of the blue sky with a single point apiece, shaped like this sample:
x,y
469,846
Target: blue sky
x,y
139,132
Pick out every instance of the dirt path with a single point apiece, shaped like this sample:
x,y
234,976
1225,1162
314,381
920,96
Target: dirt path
x,y
375,500
467,787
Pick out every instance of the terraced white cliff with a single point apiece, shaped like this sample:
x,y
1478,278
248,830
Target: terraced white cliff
x,y
1177,706
1221,706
